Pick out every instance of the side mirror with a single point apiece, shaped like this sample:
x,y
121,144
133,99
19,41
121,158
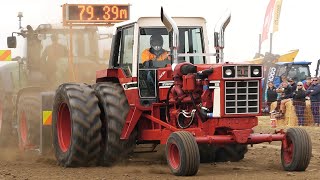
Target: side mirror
x,y
11,42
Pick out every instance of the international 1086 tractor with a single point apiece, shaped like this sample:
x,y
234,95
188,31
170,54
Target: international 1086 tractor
x,y
201,111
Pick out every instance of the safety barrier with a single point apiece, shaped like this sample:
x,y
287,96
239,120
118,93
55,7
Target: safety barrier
x,y
298,113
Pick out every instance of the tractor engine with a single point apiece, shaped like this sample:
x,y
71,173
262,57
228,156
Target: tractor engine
x,y
190,95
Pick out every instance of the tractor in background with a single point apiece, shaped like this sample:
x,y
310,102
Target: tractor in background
x,y
24,79
202,111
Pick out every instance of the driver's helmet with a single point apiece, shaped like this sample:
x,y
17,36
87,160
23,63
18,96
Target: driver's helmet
x,y
156,42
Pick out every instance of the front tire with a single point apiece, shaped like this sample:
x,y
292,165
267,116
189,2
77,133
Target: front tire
x,y
28,121
76,125
296,154
6,115
182,154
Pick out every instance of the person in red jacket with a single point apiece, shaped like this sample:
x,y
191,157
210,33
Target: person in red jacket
x,y
155,55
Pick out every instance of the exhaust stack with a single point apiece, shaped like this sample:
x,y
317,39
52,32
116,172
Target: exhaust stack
x,y
173,31
219,35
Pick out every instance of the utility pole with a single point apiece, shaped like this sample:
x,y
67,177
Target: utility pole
x,y
270,43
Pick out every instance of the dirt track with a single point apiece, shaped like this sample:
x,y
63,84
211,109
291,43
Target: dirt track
x,y
261,162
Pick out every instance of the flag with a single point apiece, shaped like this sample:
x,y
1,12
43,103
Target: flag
x,y
276,15
5,55
267,21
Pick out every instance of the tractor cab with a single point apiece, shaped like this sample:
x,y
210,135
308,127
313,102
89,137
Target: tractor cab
x,y
132,42
73,52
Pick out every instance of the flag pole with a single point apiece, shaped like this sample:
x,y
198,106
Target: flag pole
x,y
270,43
259,44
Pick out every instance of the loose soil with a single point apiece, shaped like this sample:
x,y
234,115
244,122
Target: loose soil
x,y
261,162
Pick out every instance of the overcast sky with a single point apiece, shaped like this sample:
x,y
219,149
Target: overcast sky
x,y
298,28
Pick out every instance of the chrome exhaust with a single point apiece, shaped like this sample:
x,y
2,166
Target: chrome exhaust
x,y
219,35
173,31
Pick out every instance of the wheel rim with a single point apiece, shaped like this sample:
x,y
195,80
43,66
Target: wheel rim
x,y
23,129
288,152
174,156
64,127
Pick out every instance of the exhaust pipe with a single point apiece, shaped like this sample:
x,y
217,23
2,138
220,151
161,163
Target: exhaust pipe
x,y
219,35
173,31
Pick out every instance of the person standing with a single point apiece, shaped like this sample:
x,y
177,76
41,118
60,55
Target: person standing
x,y
314,93
307,83
299,102
292,84
271,94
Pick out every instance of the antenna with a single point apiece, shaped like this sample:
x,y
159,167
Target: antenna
x,y
20,15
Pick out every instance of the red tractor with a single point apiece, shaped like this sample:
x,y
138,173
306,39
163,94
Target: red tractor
x,y
201,111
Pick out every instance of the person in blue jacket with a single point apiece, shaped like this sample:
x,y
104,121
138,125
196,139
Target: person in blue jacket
x,y
314,94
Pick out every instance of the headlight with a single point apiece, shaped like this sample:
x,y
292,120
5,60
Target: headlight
x,y
228,72
255,72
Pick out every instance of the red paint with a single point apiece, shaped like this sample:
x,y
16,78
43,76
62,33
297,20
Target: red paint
x,y
174,157
189,82
64,127
252,139
23,128
287,150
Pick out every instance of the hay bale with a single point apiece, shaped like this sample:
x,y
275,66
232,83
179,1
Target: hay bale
x,y
290,117
280,122
308,117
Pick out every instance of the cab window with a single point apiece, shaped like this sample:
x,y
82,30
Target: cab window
x,y
190,41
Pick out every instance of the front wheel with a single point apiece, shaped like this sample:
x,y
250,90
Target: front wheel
x,y
182,154
296,150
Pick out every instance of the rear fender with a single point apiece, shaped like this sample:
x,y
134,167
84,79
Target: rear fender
x,y
46,122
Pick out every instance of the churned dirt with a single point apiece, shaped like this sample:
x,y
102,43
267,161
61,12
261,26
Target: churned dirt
x,y
261,162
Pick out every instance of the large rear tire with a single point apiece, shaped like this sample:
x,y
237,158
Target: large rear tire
x,y
76,125
297,153
230,152
6,116
114,109
207,153
182,154
28,121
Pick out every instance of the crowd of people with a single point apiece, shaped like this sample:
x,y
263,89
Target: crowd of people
x,y
298,93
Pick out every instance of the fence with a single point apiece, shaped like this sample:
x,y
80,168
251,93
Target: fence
x,y
299,113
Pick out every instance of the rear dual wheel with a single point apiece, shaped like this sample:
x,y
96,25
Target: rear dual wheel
x,y
76,125
222,153
114,109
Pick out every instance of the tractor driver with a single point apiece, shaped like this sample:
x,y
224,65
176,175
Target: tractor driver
x,y
155,56
51,55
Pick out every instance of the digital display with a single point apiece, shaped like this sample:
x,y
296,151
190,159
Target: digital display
x,y
95,13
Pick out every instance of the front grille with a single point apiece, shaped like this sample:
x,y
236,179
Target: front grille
x,y
241,97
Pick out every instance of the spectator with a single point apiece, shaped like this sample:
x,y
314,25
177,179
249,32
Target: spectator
x,y
314,93
292,84
299,102
271,94
307,83
286,94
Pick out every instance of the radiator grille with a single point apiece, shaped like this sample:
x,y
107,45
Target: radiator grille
x,y
241,97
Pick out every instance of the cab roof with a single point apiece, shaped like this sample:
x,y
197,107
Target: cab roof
x,y
156,21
